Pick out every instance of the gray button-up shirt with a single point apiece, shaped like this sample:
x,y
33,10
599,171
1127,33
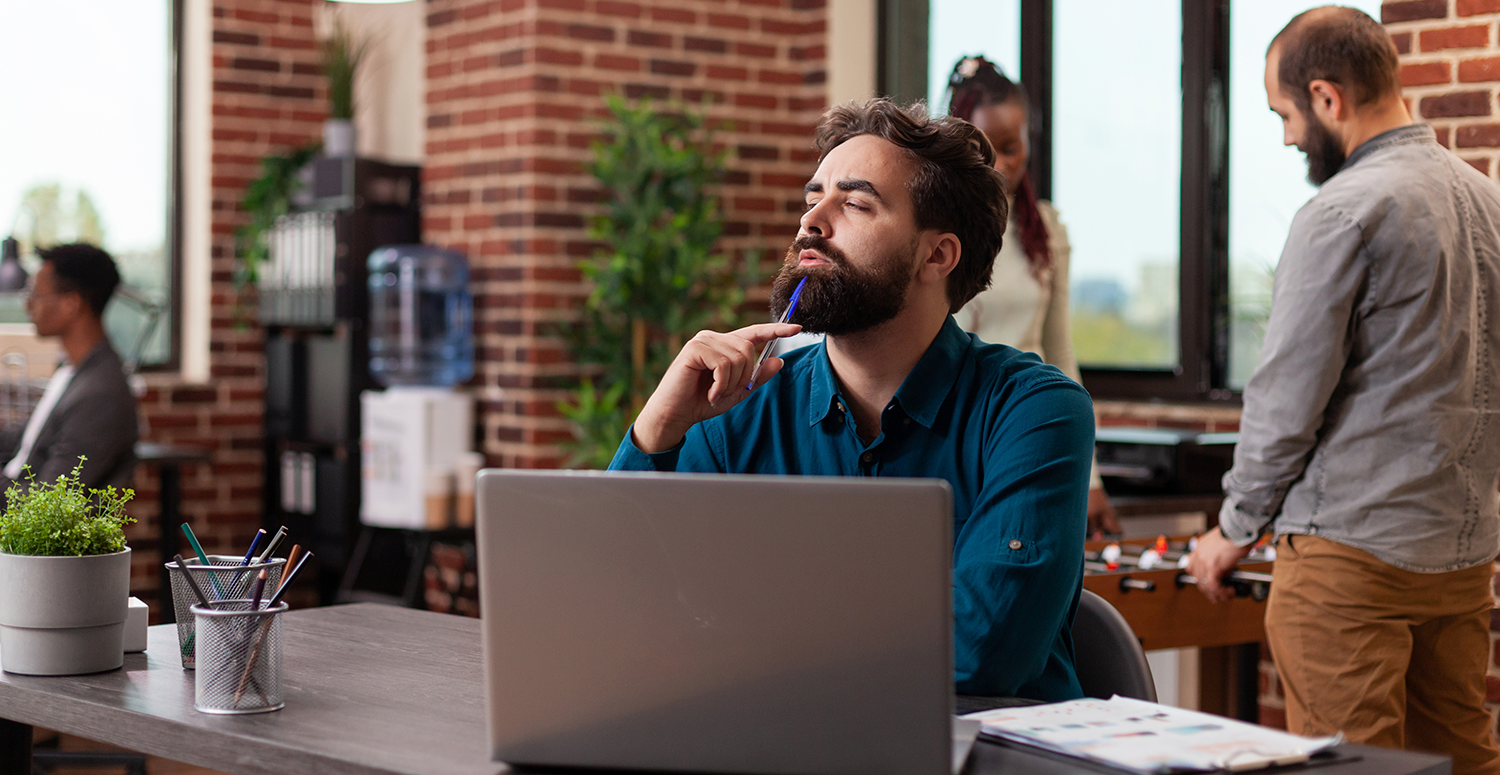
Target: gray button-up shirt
x,y
1370,420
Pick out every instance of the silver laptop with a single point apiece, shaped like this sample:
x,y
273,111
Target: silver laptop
x,y
735,624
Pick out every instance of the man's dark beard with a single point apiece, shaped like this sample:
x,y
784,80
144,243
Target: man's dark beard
x,y
842,298
1325,153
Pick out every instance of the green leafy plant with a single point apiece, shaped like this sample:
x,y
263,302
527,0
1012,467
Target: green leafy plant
x,y
342,55
267,198
658,279
63,518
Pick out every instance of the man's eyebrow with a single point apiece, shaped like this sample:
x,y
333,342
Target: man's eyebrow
x,y
860,185
814,187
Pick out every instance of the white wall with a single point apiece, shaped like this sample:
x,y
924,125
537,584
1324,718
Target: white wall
x,y
390,113
852,29
197,193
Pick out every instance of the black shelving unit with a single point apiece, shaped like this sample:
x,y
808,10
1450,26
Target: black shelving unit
x,y
314,308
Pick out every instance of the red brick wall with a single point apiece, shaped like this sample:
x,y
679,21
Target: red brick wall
x,y
514,93
268,96
1450,71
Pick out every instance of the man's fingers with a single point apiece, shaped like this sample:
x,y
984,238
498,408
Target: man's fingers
x,y
760,333
768,370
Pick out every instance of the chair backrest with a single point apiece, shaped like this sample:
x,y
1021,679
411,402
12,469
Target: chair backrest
x,y
1106,653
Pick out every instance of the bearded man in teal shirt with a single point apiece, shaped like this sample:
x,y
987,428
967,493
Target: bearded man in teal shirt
x,y
904,217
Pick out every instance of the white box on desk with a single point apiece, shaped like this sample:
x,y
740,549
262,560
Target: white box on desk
x,y
406,431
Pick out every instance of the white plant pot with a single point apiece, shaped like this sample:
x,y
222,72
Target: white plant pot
x,y
63,615
338,138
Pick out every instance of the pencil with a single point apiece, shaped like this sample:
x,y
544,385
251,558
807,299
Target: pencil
x,y
254,542
203,558
271,547
286,579
286,567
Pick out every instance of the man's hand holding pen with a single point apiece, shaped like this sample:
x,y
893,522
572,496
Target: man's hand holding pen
x,y
707,379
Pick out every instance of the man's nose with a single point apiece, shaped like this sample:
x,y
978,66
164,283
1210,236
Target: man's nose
x,y
815,221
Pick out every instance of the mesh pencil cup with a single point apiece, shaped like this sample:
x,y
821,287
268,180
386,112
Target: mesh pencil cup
x,y
239,658
223,579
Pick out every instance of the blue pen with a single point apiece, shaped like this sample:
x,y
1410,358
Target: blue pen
x,y
791,307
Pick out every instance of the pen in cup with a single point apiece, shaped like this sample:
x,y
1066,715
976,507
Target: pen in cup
x,y
765,352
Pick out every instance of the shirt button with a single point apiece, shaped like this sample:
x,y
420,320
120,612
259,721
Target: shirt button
x,y
840,405
906,421
867,457
1015,544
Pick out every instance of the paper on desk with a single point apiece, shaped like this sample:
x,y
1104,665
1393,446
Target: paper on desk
x,y
1147,737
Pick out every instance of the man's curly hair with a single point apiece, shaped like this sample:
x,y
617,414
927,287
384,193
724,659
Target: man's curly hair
x,y
955,189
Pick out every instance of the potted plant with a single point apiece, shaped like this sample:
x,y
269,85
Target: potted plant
x,y
657,278
64,577
342,55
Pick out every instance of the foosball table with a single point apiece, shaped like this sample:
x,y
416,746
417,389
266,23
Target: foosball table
x,y
1146,580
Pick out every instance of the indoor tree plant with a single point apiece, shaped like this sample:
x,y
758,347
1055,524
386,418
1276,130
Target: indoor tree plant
x,y
64,576
658,279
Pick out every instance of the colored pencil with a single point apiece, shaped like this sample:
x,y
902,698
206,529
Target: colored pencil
x,y
254,542
203,558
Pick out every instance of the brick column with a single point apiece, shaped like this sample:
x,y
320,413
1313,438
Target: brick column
x,y
513,101
1450,71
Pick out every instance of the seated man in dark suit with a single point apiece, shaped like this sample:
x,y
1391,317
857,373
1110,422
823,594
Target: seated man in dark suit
x,y
87,408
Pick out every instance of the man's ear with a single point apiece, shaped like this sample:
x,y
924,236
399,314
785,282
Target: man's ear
x,y
941,252
1328,102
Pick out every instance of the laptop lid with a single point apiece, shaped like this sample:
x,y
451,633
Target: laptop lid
x,y
730,624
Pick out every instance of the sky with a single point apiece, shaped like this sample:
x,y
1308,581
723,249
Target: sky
x,y
84,95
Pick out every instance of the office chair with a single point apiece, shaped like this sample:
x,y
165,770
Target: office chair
x,y
1106,653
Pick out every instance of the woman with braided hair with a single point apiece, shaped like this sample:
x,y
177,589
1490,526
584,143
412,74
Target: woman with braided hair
x,y
1026,305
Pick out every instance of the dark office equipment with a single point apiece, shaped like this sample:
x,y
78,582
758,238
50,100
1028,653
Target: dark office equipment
x,y
313,306
1165,461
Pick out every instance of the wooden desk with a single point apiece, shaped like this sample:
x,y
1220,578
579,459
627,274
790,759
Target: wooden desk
x,y
370,690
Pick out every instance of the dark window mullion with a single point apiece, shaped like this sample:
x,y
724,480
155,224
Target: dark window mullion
x,y
1204,268
1036,75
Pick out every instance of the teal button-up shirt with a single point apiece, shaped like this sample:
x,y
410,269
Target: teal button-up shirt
x,y
1012,435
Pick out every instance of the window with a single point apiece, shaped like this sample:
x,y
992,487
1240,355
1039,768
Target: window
x,y
1166,167
1267,180
86,148
960,28
1117,175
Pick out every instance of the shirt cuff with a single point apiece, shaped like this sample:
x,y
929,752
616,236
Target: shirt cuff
x,y
629,457
1239,528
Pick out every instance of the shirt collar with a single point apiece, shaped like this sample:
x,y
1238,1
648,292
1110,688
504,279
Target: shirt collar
x,y
1401,135
923,391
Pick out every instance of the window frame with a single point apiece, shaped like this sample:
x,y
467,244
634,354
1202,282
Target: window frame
x,y
173,362
1202,372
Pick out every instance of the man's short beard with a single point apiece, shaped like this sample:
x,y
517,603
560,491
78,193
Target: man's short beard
x,y
1325,153
841,298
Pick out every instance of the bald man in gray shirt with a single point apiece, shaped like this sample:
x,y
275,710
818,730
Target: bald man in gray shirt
x,y
1369,444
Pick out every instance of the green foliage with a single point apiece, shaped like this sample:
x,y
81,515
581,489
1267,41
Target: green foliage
x,y
342,55
658,281
267,198
63,518
601,416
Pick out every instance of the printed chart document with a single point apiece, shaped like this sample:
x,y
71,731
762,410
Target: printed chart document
x,y
1147,737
